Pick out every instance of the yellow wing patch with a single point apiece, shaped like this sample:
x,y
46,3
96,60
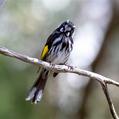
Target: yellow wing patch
x,y
44,52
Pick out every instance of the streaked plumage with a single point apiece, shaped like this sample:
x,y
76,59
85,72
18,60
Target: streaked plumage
x,y
56,51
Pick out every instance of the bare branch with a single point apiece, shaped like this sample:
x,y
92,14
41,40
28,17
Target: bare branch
x,y
111,106
63,68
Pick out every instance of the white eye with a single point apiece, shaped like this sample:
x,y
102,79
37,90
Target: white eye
x,y
61,30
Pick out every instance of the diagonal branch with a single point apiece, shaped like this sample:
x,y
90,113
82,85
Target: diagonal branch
x,y
63,68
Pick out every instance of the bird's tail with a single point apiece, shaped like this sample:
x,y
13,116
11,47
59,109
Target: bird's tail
x,y
36,91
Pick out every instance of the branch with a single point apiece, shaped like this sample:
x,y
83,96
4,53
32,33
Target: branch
x,y
63,68
111,106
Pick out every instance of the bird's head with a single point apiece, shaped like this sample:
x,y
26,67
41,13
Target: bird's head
x,y
67,28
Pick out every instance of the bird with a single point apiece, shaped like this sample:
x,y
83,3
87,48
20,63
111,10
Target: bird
x,y
57,50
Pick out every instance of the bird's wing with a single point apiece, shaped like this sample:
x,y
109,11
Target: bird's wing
x,y
48,45
44,52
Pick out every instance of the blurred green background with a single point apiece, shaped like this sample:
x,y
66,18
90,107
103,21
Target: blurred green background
x,y
24,28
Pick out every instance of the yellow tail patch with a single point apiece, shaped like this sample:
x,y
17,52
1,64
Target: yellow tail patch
x,y
44,52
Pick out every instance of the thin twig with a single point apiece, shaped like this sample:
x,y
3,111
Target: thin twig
x,y
63,68
111,106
